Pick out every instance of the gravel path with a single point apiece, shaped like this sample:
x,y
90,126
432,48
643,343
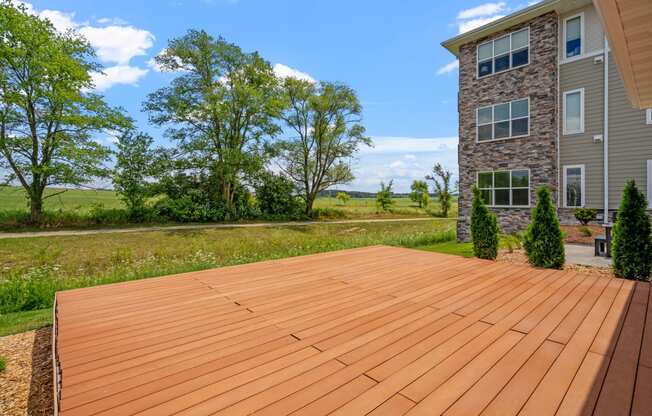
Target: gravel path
x,y
26,383
202,227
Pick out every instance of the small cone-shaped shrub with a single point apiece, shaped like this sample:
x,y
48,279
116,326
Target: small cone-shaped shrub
x,y
544,242
484,229
631,246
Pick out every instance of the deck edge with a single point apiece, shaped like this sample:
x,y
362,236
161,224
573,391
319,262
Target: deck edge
x,y
56,370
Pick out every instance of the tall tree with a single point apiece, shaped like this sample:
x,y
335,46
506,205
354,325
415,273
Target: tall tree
x,y
324,119
442,180
47,116
221,107
137,164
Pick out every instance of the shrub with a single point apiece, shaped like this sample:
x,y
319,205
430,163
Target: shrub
x,y
544,241
3,364
585,215
631,245
586,232
276,197
484,229
343,197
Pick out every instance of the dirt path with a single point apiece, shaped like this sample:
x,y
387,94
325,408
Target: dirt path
x,y
200,227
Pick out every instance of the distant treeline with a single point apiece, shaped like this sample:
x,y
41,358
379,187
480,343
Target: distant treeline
x,y
361,194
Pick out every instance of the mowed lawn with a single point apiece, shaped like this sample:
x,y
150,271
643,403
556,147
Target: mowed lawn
x,y
33,269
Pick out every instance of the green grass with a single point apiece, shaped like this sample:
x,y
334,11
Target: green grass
x,y
366,208
81,200
506,242
450,247
3,364
15,322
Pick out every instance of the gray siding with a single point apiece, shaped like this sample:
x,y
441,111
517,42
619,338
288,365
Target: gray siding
x,y
593,33
580,149
630,140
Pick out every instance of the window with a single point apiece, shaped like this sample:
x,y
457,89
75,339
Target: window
x,y
574,111
503,121
509,188
648,116
509,51
574,186
573,36
649,183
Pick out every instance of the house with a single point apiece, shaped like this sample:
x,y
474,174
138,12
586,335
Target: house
x,y
542,101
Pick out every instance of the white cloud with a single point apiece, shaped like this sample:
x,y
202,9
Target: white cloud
x,y
118,44
468,25
486,9
449,67
284,71
469,19
114,44
410,145
115,75
62,21
410,157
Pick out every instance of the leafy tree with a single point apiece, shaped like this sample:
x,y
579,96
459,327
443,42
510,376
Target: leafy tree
x,y
384,196
276,195
220,108
442,180
419,193
325,119
544,241
484,229
343,197
137,164
47,116
632,244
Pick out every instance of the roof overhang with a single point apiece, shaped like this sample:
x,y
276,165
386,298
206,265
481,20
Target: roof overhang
x,y
453,44
521,16
628,25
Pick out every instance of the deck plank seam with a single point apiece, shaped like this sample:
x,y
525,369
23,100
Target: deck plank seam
x,y
640,349
609,356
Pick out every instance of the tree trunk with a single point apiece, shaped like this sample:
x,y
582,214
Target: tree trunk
x,y
36,208
310,200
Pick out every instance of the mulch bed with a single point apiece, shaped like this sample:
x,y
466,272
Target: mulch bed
x,y
26,384
573,235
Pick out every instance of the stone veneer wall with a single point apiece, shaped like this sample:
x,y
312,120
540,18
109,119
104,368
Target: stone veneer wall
x,y
536,152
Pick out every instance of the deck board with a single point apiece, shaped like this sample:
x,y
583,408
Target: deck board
x,y
369,331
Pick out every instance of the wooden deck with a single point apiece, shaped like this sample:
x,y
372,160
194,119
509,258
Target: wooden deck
x,y
372,331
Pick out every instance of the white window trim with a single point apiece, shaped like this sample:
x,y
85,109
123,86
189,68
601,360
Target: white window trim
x,y
493,188
582,37
649,183
581,130
493,122
648,116
582,185
493,56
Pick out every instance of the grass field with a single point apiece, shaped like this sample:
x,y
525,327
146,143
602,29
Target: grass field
x,y
33,269
12,198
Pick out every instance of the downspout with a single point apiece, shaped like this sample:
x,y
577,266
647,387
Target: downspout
x,y
605,134
557,115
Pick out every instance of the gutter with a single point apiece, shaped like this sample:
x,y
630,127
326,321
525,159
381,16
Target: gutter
x,y
605,133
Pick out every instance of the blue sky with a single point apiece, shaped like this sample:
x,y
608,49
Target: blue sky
x,y
388,51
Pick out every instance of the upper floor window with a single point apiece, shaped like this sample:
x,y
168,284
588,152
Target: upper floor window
x,y
574,111
573,36
509,51
503,121
505,188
